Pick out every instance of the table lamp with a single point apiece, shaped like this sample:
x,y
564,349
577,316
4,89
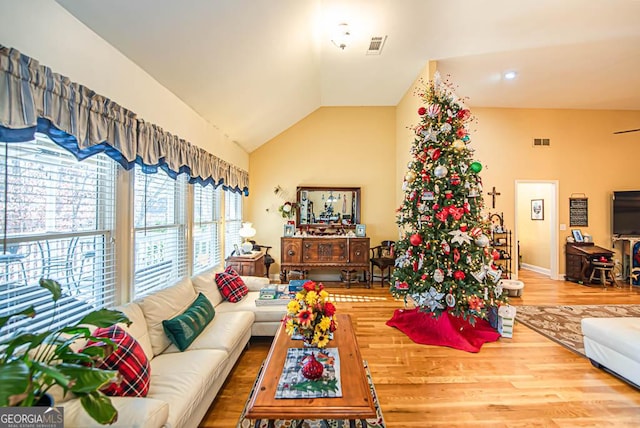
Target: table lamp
x,y
246,232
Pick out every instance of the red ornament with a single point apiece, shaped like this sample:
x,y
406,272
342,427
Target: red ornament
x,y
313,368
456,255
436,154
424,276
448,194
402,286
464,114
455,179
461,132
458,275
442,215
495,255
475,232
475,303
415,239
463,227
422,111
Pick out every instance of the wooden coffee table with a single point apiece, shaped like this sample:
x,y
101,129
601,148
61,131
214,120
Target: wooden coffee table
x,y
356,401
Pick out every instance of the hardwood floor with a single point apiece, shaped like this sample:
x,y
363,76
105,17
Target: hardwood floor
x,y
527,381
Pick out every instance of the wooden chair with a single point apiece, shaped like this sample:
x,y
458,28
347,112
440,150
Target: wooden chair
x,y
383,257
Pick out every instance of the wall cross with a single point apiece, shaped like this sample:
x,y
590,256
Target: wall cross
x,y
493,195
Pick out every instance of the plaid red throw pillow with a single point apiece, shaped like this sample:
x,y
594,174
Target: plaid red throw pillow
x,y
130,360
232,287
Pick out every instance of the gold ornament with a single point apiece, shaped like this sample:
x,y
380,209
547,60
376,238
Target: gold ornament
x,y
410,177
458,145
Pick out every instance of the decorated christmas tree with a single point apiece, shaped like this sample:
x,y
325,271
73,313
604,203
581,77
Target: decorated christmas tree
x,y
444,261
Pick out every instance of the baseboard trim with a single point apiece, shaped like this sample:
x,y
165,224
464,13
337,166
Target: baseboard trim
x,y
537,269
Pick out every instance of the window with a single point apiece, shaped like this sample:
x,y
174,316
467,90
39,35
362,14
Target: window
x,y
159,226
206,227
232,221
59,224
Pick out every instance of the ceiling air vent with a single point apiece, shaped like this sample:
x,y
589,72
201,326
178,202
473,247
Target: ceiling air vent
x,y
376,44
541,142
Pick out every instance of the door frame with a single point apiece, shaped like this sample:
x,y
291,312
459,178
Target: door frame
x,y
551,210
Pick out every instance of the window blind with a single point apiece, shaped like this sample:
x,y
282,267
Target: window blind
x,y
56,221
206,228
232,221
159,231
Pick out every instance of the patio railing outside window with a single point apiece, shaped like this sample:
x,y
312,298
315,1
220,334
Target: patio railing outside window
x,y
59,225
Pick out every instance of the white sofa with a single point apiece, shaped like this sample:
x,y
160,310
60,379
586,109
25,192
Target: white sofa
x,y
183,384
613,344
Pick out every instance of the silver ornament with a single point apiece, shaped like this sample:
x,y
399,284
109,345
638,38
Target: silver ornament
x,y
440,171
482,240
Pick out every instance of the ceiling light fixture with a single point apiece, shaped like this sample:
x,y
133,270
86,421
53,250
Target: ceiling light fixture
x,y
341,36
510,75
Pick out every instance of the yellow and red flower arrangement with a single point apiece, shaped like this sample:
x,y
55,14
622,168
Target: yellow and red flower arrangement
x,y
310,315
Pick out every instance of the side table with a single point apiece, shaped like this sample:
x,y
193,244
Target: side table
x,y
248,264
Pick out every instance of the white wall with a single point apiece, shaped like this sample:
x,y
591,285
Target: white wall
x,y
45,31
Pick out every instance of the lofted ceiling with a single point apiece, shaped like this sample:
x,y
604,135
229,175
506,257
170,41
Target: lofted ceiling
x,y
253,68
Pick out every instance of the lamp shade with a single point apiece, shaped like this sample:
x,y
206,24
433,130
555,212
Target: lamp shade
x,y
247,231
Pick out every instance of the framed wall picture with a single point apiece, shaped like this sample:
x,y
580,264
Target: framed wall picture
x,y
537,209
289,230
361,230
577,235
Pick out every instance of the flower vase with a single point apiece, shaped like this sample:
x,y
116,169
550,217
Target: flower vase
x,y
307,342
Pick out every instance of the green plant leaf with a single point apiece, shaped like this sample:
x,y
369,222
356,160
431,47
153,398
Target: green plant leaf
x,y
53,286
50,373
32,340
14,378
104,318
95,351
99,407
76,331
29,312
86,379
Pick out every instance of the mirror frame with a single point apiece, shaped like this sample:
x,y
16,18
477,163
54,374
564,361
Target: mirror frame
x,y
356,215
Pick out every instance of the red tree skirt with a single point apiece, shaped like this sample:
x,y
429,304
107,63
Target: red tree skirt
x,y
446,330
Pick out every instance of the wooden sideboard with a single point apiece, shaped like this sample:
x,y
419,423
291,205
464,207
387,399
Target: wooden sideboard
x,y
324,252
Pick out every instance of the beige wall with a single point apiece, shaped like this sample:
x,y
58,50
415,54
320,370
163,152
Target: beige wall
x,y
406,119
369,147
584,156
534,235
333,146
49,34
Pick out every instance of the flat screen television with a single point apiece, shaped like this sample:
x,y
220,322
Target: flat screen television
x,y
626,213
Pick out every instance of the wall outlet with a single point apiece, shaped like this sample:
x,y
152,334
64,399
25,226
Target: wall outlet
x,y
563,226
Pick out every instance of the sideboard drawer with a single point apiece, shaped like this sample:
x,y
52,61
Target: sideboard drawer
x,y
324,250
359,250
291,250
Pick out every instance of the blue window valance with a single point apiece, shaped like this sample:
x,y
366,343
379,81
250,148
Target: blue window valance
x,y
35,99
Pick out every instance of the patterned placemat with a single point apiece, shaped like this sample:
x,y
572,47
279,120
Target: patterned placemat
x,y
314,423
293,384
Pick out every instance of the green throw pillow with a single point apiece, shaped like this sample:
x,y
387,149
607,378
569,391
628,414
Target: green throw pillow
x,y
183,329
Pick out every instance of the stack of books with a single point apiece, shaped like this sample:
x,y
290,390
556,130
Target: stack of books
x,y
275,294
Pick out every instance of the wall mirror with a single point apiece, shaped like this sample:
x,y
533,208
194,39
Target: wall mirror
x,y
324,206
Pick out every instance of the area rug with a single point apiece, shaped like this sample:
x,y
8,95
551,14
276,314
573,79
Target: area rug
x,y
312,423
562,323
446,330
